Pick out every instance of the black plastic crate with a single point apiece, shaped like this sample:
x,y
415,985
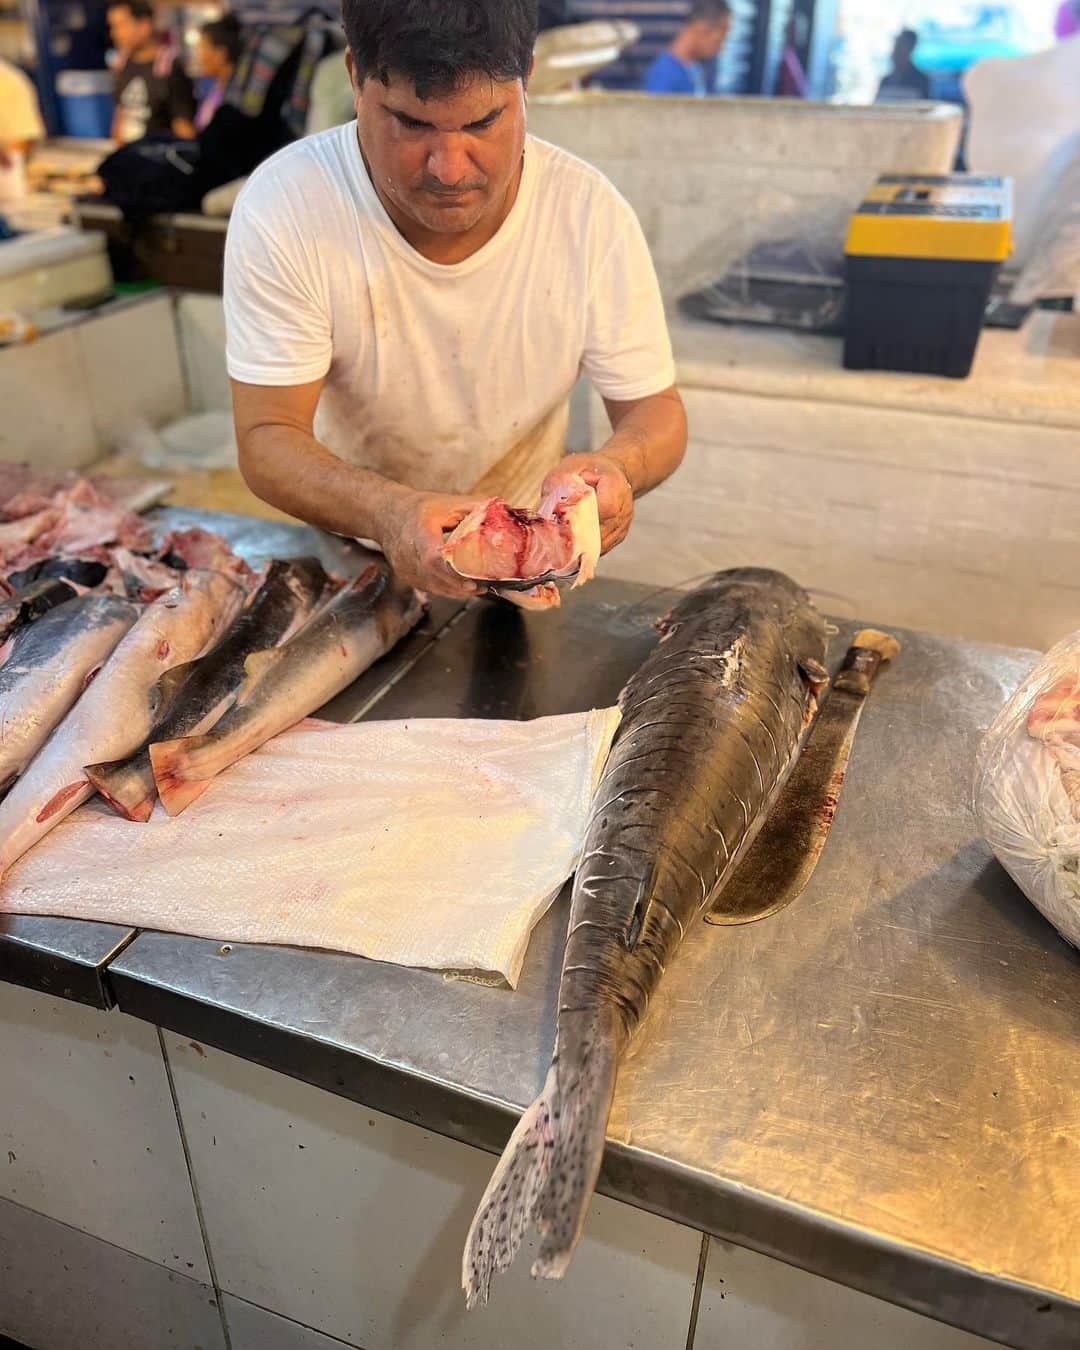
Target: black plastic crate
x,y
922,315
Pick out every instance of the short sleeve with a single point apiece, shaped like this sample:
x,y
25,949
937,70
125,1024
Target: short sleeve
x,y
277,324
627,347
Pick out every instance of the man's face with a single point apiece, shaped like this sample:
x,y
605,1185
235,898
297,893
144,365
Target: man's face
x,y
444,162
710,36
128,34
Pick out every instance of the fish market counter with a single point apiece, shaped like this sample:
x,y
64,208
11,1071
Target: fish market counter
x,y
879,1086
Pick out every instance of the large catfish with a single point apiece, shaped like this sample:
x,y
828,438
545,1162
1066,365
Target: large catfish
x,y
712,724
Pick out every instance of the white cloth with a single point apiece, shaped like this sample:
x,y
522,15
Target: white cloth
x,y
1023,114
20,121
435,373
426,843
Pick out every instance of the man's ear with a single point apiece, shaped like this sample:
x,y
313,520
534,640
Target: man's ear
x,y
350,66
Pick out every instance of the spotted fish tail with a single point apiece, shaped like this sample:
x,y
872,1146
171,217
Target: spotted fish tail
x,y
546,1174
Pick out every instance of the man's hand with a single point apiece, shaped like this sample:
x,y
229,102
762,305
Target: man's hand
x,y
614,494
413,538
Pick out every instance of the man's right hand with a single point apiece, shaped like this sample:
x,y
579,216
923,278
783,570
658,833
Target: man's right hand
x,y
416,530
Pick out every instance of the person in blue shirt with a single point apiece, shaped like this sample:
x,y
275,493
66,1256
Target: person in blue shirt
x,y
680,68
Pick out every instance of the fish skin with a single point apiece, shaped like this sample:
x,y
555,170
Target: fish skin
x,y
31,601
360,624
47,668
289,594
117,710
712,725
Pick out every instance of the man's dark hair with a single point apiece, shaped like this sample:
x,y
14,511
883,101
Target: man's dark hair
x,y
908,37
140,9
438,44
227,34
712,11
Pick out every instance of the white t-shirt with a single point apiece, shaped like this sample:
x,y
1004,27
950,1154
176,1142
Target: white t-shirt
x,y
20,120
436,374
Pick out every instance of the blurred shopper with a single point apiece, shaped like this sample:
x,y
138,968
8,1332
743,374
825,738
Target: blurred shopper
x,y
20,127
791,81
154,96
905,82
680,68
219,51
1067,23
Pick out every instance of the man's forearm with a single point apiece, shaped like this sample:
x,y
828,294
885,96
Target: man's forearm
x,y
649,439
291,470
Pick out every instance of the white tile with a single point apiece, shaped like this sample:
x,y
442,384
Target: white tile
x,y
88,1132
132,362
353,1222
63,1290
253,1328
201,323
751,1300
45,404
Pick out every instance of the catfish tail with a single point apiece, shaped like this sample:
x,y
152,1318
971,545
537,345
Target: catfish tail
x,y
180,772
546,1175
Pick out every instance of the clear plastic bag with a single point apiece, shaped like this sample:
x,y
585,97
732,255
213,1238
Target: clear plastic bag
x,y
1027,787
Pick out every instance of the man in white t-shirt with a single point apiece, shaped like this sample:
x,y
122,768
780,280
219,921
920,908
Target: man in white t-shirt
x,y
410,299
20,127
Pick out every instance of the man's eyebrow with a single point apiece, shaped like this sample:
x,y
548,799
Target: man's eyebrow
x,y
407,119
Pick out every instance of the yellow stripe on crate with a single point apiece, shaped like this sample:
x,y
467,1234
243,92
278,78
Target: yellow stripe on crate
x,y
929,237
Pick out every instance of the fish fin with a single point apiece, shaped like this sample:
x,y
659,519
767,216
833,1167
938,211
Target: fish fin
x,y
124,788
546,1175
255,667
168,686
172,767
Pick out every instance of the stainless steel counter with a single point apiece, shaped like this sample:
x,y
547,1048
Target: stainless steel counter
x,y
880,1084
68,957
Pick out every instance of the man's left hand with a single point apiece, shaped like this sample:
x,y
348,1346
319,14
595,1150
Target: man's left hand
x,y
614,495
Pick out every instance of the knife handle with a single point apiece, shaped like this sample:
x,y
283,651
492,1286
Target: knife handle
x,y
865,657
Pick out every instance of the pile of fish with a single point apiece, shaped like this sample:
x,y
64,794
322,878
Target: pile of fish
x,y
140,672
712,724
522,555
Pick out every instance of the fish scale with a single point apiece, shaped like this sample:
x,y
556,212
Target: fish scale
x,y
712,725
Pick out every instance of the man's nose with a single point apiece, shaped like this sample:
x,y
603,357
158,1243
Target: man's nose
x,y
448,160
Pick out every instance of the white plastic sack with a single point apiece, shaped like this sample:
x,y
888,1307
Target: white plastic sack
x,y
1027,787
435,843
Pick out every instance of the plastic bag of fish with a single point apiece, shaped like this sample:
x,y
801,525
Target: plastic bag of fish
x,y
1027,787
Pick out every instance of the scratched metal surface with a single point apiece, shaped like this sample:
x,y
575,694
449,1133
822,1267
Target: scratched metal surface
x,y
880,1084
68,957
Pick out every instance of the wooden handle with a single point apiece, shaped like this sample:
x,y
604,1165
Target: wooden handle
x,y
867,654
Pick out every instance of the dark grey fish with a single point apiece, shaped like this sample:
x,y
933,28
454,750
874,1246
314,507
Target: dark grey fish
x,y
48,665
712,725
31,602
84,571
362,622
205,689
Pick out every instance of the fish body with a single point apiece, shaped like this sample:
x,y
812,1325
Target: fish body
x,y
116,712
289,593
712,725
48,666
287,684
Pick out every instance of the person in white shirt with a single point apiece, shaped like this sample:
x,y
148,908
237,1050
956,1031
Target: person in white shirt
x,y
411,297
20,127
